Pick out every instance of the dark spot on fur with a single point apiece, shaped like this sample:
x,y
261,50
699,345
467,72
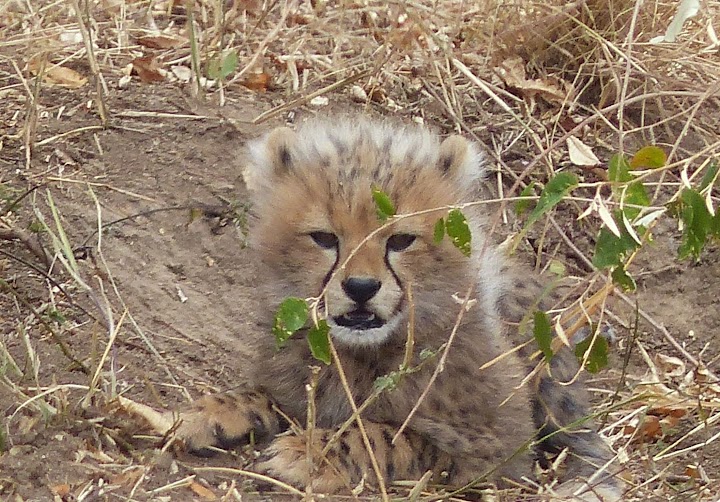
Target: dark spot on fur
x,y
285,157
372,442
386,146
340,147
455,444
454,394
437,403
224,441
470,387
467,412
414,467
445,163
258,424
569,405
345,447
451,471
387,436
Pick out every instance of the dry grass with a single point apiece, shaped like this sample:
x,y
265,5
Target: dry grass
x,y
521,79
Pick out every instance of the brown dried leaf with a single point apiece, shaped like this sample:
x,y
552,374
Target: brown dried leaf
x,y
552,90
160,42
257,82
202,491
648,429
126,478
147,68
56,75
670,366
666,411
61,490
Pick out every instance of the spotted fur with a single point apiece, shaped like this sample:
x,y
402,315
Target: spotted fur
x,y
312,207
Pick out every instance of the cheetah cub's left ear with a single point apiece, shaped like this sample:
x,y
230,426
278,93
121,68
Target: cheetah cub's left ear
x,y
461,159
270,157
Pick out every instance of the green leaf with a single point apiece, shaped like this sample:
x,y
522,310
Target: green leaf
x,y
619,169
697,224
383,204
523,205
229,64
56,316
213,68
543,333
554,191
319,342
709,176
635,194
290,317
598,358
386,382
623,279
610,250
459,231
439,231
649,157
222,66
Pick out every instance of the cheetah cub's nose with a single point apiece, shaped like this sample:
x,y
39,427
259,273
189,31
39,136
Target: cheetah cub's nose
x,y
361,289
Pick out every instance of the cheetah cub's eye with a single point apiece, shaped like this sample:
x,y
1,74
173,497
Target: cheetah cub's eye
x,y
400,242
326,240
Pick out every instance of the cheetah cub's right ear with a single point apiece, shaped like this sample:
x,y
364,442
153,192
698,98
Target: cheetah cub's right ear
x,y
270,157
461,160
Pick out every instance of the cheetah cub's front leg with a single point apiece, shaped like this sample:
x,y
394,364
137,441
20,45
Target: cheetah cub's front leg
x,y
348,462
227,420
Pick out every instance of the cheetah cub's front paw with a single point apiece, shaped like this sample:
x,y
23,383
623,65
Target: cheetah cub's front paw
x,y
286,460
226,421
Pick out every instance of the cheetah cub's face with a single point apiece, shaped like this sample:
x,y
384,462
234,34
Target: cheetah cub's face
x,y
313,206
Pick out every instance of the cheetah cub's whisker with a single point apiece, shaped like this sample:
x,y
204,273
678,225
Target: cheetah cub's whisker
x,y
312,207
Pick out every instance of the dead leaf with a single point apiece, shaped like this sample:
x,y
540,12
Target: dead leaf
x,y
257,82
202,491
580,153
126,478
62,490
670,366
160,42
147,68
56,75
668,411
183,73
696,471
552,90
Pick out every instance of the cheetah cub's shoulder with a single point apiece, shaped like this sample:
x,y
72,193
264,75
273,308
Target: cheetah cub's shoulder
x,y
315,228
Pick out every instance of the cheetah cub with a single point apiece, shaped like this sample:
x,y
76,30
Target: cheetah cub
x,y
313,207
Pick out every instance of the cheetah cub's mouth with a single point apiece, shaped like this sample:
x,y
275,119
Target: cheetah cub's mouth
x,y
362,328
360,319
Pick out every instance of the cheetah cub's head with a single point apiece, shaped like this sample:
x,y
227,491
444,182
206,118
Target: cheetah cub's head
x,y
313,206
